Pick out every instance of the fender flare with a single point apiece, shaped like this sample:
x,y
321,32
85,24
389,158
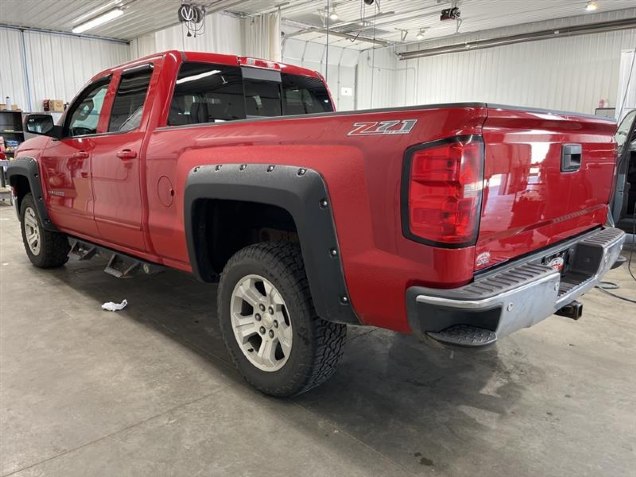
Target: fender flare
x,y
28,167
303,194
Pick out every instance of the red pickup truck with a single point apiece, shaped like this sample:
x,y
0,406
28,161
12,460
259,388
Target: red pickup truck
x,y
457,222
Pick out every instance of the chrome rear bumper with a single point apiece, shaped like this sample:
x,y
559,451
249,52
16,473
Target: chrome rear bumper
x,y
518,295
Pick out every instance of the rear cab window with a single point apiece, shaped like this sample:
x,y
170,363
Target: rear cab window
x,y
211,93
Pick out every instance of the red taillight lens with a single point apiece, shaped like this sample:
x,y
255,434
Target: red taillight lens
x,y
444,191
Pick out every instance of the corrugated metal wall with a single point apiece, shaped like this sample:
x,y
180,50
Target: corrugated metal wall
x,y
341,76
222,34
568,73
571,74
12,78
56,66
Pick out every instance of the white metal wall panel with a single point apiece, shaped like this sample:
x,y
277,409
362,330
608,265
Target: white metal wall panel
x,y
12,78
378,83
222,35
143,46
341,76
56,66
59,65
571,74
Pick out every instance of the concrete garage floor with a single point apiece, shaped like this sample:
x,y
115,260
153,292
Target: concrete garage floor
x,y
150,390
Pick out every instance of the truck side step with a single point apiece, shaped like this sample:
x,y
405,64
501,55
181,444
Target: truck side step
x,y
119,267
119,264
464,335
82,250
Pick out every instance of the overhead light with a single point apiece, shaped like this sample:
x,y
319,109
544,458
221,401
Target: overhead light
x,y
591,6
334,16
98,20
420,35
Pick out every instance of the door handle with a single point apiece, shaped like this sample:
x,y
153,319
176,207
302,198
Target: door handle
x,y
571,157
126,154
79,155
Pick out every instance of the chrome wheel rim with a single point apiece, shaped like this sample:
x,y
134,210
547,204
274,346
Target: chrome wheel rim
x,y
261,323
32,231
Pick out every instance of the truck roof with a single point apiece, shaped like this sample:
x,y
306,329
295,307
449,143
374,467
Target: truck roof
x,y
218,58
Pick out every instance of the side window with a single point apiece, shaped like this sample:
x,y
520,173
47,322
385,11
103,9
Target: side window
x,y
129,101
304,95
83,115
207,93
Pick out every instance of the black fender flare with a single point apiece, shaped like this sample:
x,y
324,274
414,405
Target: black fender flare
x,y
28,167
301,192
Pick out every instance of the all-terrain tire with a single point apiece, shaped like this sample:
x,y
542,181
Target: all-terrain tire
x,y
317,344
50,249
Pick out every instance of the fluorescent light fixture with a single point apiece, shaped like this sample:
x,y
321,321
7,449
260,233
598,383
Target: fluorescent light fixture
x,y
591,6
98,20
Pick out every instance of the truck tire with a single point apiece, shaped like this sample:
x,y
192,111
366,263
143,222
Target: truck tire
x,y
44,248
269,324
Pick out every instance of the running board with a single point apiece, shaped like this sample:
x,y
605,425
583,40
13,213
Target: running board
x,y
119,264
464,335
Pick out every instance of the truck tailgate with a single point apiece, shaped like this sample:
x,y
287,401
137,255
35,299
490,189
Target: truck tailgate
x,y
547,176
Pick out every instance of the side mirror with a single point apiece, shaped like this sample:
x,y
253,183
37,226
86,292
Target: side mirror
x,y
42,124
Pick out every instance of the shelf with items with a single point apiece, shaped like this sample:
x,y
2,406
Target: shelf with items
x,y
11,131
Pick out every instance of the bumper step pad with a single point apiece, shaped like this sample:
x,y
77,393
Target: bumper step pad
x,y
464,335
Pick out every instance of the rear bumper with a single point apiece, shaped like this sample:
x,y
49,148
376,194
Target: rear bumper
x,y
516,296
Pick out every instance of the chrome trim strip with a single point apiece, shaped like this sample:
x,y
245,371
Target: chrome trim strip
x,y
486,302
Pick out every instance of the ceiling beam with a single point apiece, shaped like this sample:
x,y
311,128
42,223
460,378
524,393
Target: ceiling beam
x,y
305,29
569,31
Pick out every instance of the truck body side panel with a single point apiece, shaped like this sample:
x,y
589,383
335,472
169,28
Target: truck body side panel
x,y
363,177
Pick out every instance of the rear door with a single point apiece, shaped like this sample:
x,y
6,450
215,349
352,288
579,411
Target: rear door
x,y
116,163
624,201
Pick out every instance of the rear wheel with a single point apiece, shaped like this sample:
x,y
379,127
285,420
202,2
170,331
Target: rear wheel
x,y
44,248
269,324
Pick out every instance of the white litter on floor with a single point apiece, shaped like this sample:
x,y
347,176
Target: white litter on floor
x,y
112,306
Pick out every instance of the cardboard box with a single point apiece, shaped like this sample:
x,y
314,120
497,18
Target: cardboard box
x,y
54,105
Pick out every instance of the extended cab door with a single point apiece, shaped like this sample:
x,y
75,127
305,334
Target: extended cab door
x,y
66,165
624,200
117,160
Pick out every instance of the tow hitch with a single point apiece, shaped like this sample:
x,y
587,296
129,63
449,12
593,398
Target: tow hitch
x,y
572,310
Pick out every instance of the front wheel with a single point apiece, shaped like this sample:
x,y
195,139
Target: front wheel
x,y
269,324
44,248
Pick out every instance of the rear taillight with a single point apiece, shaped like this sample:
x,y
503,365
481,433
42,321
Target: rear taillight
x,y
442,196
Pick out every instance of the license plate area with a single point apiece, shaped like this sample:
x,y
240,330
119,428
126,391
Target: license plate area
x,y
558,261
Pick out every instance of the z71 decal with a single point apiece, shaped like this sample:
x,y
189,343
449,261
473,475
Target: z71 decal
x,y
374,128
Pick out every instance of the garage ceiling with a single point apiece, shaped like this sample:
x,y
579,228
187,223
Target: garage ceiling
x,y
304,18
399,21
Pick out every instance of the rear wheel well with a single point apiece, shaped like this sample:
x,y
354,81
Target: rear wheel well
x,y
21,187
223,227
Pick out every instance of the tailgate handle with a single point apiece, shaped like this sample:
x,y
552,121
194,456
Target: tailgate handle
x,y
571,157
